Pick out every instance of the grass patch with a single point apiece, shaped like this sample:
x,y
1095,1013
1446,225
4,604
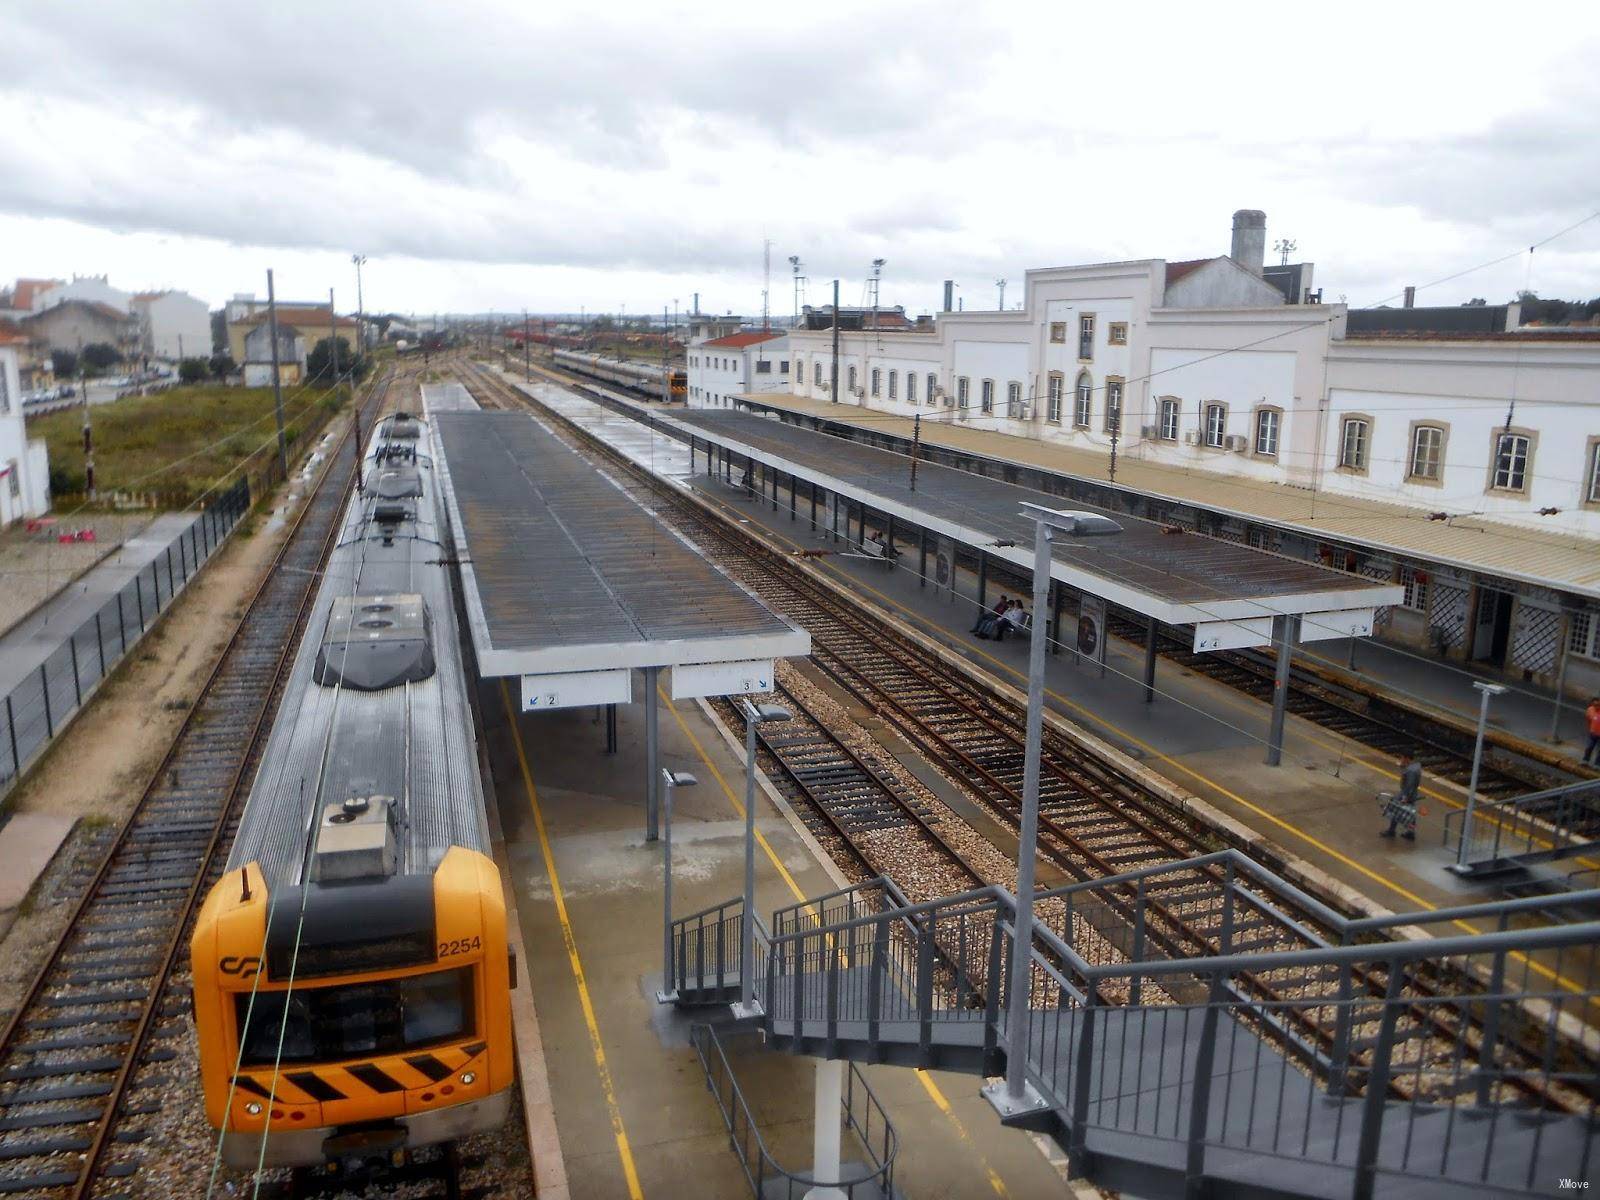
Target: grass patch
x,y
176,443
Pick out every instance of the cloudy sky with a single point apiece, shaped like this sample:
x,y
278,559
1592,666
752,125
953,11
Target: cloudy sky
x,y
501,155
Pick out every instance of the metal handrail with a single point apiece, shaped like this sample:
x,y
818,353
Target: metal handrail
x,y
760,1167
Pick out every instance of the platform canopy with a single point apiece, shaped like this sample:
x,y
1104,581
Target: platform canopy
x,y
571,584
1230,592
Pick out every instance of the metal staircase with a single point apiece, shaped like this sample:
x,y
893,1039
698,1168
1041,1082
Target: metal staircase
x,y
1205,1028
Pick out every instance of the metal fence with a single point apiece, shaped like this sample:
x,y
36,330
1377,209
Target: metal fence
x,y
38,706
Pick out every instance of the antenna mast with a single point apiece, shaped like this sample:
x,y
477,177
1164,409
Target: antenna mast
x,y
873,285
1285,247
766,285
799,286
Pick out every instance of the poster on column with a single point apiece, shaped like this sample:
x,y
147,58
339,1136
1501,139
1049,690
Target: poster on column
x,y
942,570
1092,630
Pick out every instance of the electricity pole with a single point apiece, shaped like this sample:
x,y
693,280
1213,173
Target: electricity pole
x,y
527,349
333,338
666,369
361,326
277,383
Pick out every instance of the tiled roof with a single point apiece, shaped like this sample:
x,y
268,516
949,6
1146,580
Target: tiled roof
x,y
1177,270
736,341
26,290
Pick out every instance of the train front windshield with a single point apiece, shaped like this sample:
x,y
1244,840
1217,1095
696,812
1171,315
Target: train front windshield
x,y
326,1024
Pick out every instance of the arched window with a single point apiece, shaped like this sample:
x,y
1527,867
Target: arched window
x,y
816,372
1083,402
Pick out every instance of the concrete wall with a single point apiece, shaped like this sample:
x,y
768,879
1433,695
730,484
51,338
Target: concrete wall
x,y
1222,283
1467,390
175,325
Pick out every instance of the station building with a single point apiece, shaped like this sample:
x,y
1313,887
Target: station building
x,y
1454,451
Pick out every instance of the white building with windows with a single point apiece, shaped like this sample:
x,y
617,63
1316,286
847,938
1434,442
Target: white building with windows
x,y
24,464
1232,370
737,364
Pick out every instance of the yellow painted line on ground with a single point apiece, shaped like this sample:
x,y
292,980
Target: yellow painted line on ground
x,y
923,1077
613,1109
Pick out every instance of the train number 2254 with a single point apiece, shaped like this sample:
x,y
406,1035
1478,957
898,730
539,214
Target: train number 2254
x,y
460,946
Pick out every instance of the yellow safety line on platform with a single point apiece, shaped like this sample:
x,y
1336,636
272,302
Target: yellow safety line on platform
x,y
923,1077
1095,718
630,1172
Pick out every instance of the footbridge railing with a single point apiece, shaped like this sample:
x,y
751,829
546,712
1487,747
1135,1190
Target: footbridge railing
x,y
1207,1020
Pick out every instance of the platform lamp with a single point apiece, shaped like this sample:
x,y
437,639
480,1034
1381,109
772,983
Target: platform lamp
x,y
754,714
1488,692
672,779
1012,1096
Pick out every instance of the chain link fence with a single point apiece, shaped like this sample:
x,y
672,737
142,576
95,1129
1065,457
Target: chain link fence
x,y
37,707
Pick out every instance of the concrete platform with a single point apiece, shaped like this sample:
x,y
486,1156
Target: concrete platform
x,y
1319,806
631,1107
28,841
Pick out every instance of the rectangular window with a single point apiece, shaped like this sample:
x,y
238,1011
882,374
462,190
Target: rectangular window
x,y
783,366
1113,406
763,366
1057,386
1427,452
1216,425
1117,333
933,390
355,1020
986,395
1581,633
961,392
850,379
1086,336
877,381
1267,421
911,387
1058,331
1416,586
1169,420
1353,444
1593,494
894,377
1511,462
1082,402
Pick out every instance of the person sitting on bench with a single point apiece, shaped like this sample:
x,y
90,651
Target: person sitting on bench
x,y
987,616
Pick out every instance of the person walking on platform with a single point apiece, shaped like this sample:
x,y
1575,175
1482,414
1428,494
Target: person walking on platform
x,y
1401,808
987,616
1591,752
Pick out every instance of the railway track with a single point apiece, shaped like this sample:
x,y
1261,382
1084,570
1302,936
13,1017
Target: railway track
x,y
97,1033
1444,751
1093,822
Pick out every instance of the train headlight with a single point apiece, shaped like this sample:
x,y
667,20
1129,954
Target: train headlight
x,y
468,1078
253,1108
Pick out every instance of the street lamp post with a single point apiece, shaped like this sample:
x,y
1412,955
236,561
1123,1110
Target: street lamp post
x,y
754,714
1048,522
672,779
1488,691
361,327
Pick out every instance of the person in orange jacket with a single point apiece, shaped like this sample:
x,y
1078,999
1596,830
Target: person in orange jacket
x,y
1591,752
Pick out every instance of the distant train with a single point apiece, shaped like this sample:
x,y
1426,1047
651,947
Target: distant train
x,y
641,378
351,973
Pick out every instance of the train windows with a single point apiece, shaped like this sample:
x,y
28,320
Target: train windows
x,y
327,1024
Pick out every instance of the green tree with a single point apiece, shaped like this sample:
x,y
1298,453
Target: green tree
x,y
320,362
98,356
193,370
222,365
64,363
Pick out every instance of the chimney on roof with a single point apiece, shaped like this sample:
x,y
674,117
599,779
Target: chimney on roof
x,y
949,295
1249,239
1411,297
